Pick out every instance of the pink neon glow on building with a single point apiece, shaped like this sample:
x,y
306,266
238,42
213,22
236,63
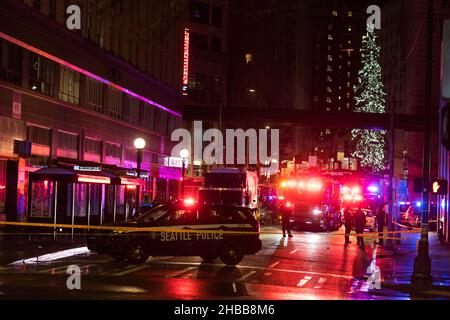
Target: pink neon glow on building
x,y
186,61
85,72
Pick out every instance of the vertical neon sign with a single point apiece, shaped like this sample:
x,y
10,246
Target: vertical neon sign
x,y
185,61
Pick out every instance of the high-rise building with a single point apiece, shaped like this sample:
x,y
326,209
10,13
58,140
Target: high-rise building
x,y
73,101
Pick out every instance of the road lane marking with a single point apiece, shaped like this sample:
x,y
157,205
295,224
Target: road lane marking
x,y
179,273
320,283
247,275
304,281
293,251
273,264
131,270
59,270
261,268
234,287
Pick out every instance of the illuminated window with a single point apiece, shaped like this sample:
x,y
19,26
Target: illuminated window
x,y
329,48
349,28
329,69
334,13
348,74
348,105
348,94
349,42
350,13
316,99
329,58
328,109
348,84
329,79
329,89
349,63
248,58
330,37
328,100
339,98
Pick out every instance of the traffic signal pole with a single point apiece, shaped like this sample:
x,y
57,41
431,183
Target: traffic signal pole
x,y
421,278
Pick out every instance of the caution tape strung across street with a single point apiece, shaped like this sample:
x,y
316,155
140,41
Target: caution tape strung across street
x,y
374,235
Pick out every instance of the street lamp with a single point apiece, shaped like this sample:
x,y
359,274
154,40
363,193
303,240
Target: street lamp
x,y
139,144
184,154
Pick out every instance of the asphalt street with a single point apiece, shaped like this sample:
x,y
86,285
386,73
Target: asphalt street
x,y
311,265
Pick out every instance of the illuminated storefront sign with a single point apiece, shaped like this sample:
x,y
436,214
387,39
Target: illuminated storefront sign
x,y
185,61
84,168
173,162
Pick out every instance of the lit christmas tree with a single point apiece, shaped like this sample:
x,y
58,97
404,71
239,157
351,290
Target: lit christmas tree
x,y
369,96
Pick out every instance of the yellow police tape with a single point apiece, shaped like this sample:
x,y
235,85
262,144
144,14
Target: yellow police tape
x,y
373,235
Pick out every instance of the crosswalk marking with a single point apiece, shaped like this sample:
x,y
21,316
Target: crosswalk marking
x,y
320,283
304,281
131,270
247,275
273,265
179,273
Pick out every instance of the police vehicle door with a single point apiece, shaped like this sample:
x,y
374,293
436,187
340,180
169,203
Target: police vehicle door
x,y
179,238
209,235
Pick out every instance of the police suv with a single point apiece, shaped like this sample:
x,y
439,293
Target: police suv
x,y
209,231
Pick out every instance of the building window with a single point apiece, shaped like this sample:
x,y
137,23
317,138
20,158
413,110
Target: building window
x,y
199,12
216,44
329,79
92,146
94,95
330,37
348,74
39,135
329,89
329,58
41,74
197,87
350,13
216,16
114,105
198,41
113,150
330,26
147,116
328,100
316,99
69,85
131,110
12,70
329,68
67,141
334,13
349,28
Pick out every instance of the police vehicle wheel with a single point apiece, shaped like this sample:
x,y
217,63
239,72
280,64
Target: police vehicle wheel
x,y
137,252
208,258
231,254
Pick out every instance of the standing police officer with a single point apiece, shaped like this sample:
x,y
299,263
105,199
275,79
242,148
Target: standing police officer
x,y
348,223
285,223
360,223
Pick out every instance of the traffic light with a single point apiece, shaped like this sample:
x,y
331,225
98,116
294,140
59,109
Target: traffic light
x,y
439,187
445,126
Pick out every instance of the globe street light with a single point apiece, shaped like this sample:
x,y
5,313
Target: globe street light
x,y
139,144
184,154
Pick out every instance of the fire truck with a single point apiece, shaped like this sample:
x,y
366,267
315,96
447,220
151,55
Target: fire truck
x,y
313,200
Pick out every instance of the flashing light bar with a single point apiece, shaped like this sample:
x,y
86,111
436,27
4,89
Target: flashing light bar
x,y
189,201
93,179
373,189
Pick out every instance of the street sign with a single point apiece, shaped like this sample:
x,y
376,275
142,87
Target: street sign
x,y
439,187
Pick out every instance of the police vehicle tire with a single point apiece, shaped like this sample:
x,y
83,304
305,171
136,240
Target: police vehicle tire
x,y
208,258
137,252
231,254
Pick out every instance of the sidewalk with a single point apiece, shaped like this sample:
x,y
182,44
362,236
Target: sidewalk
x,y
397,267
18,247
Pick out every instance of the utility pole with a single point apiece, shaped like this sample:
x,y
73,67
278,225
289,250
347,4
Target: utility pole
x,y
421,278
